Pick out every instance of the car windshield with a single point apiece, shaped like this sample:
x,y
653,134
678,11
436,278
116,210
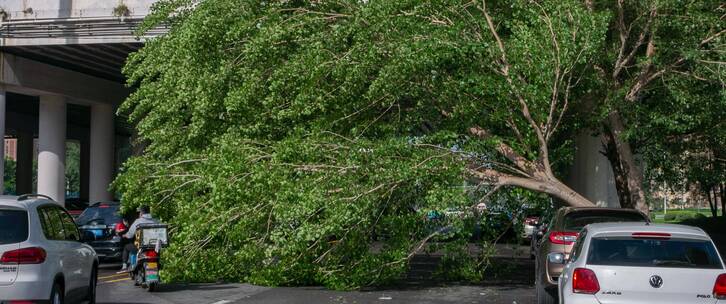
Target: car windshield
x,y
677,253
103,214
575,221
13,226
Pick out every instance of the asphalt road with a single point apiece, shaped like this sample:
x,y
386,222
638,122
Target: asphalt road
x,y
118,289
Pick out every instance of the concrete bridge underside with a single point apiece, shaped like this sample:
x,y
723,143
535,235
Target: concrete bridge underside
x,y
61,81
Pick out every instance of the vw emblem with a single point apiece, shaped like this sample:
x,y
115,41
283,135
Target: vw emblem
x,y
656,281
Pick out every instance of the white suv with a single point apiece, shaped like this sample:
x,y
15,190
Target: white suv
x,y
41,256
643,263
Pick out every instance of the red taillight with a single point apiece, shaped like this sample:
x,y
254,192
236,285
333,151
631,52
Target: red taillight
x,y
531,220
20,302
585,281
719,289
651,235
563,238
32,255
151,254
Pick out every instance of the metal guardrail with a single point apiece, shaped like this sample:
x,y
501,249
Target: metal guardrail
x,y
75,27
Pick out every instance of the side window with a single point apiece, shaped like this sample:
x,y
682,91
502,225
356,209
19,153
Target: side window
x,y
69,227
51,222
577,249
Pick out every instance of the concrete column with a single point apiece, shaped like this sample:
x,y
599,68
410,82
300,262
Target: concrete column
x,y
24,165
2,141
52,147
101,154
591,174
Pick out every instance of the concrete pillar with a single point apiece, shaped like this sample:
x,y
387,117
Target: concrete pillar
x,y
2,141
591,174
52,147
24,165
101,154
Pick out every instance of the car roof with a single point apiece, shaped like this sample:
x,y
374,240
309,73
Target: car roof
x,y
575,209
627,228
98,204
13,202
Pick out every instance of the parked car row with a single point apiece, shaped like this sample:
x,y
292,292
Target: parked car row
x,y
602,255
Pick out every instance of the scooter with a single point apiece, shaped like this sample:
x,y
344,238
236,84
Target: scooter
x,y
146,263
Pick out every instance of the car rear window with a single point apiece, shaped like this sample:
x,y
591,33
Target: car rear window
x,y
575,221
103,214
675,253
13,226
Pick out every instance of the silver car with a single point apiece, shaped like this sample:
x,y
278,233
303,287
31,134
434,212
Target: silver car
x,y
41,257
643,263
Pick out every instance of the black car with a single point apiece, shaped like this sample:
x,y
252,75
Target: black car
x,y
98,225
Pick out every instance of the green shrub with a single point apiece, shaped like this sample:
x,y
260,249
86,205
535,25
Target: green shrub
x,y
669,217
683,216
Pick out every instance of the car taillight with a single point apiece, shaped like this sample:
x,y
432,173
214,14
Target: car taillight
x,y
651,235
32,255
563,238
719,289
151,255
585,281
531,220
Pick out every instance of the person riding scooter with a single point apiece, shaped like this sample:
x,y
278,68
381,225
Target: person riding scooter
x,y
144,218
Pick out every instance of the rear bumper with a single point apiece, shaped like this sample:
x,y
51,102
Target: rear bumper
x,y
575,298
528,231
36,291
107,249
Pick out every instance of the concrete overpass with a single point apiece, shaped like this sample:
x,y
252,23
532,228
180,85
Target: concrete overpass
x,y
61,81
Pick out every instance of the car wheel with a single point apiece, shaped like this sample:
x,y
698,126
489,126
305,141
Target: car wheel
x,y
138,278
544,295
91,298
152,287
56,294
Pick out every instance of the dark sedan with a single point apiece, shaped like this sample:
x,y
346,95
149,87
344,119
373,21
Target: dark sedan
x,y
99,225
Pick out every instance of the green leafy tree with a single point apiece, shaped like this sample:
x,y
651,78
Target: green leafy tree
x,y
9,176
284,136
660,82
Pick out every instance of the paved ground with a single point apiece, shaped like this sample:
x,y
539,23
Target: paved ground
x,y
514,288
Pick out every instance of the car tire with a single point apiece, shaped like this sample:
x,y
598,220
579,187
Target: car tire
x,y
152,287
91,297
56,294
545,295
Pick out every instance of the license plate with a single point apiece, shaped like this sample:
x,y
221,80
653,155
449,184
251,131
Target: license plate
x,y
152,265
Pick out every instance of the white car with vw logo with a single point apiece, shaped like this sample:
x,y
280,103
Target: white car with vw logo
x,y
643,263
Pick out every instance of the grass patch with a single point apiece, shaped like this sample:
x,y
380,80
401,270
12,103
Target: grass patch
x,y
676,216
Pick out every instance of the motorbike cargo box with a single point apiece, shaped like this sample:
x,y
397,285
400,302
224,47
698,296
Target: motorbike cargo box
x,y
151,234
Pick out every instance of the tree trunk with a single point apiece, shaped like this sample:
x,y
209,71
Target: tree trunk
x,y
621,182
540,183
712,201
624,166
721,188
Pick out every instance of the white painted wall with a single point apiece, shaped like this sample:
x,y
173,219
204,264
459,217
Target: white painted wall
x,y
19,9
